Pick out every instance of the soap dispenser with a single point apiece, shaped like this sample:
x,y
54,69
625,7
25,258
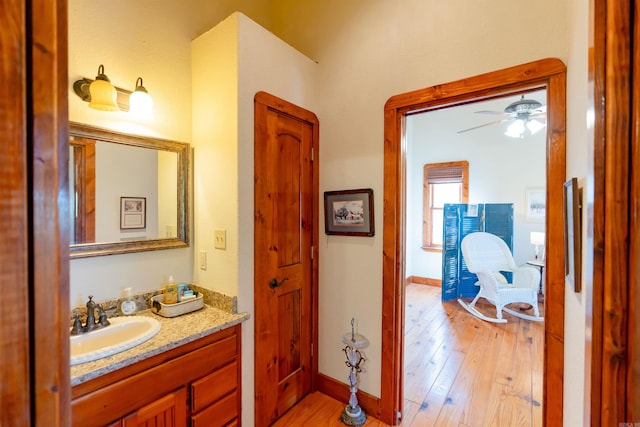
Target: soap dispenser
x,y
128,305
170,292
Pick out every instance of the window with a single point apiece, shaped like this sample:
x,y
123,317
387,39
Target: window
x,y
443,183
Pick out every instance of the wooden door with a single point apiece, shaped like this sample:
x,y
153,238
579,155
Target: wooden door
x,y
168,411
285,196
34,344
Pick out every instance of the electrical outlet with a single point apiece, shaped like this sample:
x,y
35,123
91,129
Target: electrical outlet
x,y
203,260
220,238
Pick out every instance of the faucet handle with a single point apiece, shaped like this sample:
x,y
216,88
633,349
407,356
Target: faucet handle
x,y
76,329
102,317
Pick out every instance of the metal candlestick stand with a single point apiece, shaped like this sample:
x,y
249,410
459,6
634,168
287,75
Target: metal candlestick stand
x,y
353,415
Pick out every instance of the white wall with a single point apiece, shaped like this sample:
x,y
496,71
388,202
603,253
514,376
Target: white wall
x,y
231,62
580,165
387,48
129,47
124,171
167,194
501,170
214,58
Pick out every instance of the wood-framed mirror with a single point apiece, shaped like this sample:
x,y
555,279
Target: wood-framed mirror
x,y
128,193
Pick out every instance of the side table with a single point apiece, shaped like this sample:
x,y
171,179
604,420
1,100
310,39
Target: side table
x,y
540,265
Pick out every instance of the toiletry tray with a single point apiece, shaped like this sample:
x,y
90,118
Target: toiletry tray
x,y
177,309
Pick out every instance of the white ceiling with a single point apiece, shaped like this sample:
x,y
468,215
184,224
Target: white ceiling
x,y
453,119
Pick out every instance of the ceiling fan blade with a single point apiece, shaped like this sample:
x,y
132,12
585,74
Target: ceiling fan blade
x,y
500,113
481,126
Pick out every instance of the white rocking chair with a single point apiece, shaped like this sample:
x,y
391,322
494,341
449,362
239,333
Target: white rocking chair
x,y
487,255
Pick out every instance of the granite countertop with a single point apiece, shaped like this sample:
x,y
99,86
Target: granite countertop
x,y
174,332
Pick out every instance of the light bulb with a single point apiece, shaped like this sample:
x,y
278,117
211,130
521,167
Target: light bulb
x,y
515,129
140,102
534,126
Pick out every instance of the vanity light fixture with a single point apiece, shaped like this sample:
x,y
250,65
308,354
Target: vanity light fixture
x,y
102,95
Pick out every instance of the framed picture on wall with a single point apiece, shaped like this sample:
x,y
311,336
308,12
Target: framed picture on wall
x,y
349,212
133,213
572,235
536,204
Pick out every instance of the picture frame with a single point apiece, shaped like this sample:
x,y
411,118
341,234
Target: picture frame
x,y
133,213
536,204
349,212
572,235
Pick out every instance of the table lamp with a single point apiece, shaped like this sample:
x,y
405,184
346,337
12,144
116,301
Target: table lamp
x,y
537,239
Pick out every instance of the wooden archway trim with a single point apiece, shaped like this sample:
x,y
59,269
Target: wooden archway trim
x,y
546,73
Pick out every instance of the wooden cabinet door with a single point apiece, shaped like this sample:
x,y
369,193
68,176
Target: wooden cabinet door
x,y
168,411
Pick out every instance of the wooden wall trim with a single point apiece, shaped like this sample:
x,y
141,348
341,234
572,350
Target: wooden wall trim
x,y
340,391
614,347
549,73
633,336
14,267
424,281
49,206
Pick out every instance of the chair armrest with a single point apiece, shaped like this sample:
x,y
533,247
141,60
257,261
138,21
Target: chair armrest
x,y
491,283
526,277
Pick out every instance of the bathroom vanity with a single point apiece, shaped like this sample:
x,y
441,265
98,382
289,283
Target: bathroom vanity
x,y
187,375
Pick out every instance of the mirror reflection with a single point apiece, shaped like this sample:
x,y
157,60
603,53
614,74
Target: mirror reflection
x,y
127,193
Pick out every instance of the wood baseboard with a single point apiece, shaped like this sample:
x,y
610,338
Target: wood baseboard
x,y
340,391
423,281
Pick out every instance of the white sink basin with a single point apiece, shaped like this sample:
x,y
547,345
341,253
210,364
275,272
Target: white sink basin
x,y
123,334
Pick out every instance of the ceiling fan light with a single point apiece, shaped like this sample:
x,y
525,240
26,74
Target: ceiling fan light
x,y
515,129
534,126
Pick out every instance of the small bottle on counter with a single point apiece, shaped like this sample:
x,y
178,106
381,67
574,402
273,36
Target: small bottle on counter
x,y
170,292
128,305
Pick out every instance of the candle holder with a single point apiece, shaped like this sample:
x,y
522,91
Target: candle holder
x,y
352,414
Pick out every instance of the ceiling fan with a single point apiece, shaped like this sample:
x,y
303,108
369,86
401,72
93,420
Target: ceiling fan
x,y
524,113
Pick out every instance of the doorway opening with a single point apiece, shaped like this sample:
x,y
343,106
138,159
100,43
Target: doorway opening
x,y
549,74
444,377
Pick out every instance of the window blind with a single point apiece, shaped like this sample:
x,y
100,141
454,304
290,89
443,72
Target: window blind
x,y
444,175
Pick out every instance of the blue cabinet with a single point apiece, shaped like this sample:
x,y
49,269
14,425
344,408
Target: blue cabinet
x,y
460,220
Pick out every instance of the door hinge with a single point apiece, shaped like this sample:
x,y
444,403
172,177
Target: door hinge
x,y
311,252
399,415
312,153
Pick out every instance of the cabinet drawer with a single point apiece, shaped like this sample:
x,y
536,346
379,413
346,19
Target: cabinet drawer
x,y
218,414
208,389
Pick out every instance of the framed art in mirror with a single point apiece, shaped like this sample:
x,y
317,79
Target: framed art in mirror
x,y
133,213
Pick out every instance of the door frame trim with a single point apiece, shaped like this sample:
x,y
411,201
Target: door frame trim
x,y
288,108
549,73
612,392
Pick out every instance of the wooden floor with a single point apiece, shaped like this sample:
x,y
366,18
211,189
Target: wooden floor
x,y
459,370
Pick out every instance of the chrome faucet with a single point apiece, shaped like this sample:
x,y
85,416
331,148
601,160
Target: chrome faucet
x,y
91,323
